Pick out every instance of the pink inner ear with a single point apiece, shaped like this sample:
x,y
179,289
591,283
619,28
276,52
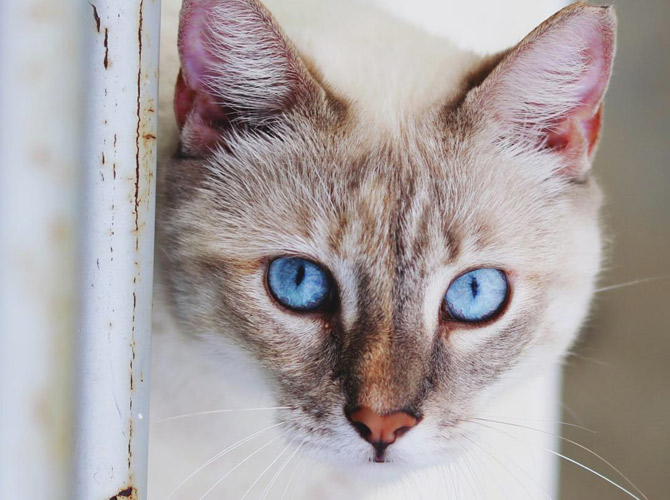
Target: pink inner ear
x,y
579,129
184,98
192,50
578,134
236,68
549,91
202,116
193,104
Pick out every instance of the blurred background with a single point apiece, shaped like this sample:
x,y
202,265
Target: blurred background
x,y
617,382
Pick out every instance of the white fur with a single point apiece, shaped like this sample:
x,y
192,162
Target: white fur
x,y
401,68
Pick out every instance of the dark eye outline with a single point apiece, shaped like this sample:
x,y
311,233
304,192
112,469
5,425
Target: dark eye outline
x,y
327,306
447,316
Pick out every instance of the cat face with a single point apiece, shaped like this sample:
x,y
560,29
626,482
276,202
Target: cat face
x,y
283,183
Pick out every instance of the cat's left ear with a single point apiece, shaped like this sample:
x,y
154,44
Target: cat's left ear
x,y
547,93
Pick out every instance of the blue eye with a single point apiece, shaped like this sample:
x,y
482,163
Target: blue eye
x,y
298,284
477,295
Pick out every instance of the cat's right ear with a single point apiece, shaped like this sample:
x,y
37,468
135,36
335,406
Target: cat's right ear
x,y
237,70
546,94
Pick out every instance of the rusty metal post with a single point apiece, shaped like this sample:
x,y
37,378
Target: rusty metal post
x,y
122,37
39,160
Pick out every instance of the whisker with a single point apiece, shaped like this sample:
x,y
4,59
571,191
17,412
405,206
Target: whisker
x,y
219,455
514,476
601,476
446,474
572,413
472,474
300,465
264,472
575,462
309,465
279,471
490,453
631,283
589,359
237,466
211,412
581,446
495,479
567,424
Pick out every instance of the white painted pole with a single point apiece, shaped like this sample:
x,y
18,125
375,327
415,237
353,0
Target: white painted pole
x,y
122,38
39,160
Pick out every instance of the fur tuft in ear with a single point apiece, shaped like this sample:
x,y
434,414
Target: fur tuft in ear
x,y
237,67
547,93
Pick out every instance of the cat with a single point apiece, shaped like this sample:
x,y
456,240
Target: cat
x,y
367,239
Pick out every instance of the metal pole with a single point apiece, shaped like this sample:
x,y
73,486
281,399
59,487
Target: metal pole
x,y
118,243
39,160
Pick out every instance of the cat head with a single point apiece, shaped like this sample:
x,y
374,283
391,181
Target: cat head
x,y
389,279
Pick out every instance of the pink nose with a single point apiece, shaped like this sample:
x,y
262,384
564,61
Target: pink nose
x,y
381,430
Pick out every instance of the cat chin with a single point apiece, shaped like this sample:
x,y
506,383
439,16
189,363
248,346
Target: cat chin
x,y
360,466
378,473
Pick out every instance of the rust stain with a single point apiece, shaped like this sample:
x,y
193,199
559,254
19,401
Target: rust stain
x,y
103,158
96,17
131,427
105,61
139,121
129,492
149,137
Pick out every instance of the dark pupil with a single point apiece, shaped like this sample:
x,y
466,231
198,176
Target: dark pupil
x,y
300,275
474,286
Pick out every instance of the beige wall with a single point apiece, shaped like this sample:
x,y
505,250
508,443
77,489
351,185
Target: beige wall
x,y
618,381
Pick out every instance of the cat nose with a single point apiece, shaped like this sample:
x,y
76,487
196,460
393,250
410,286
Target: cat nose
x,y
381,430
